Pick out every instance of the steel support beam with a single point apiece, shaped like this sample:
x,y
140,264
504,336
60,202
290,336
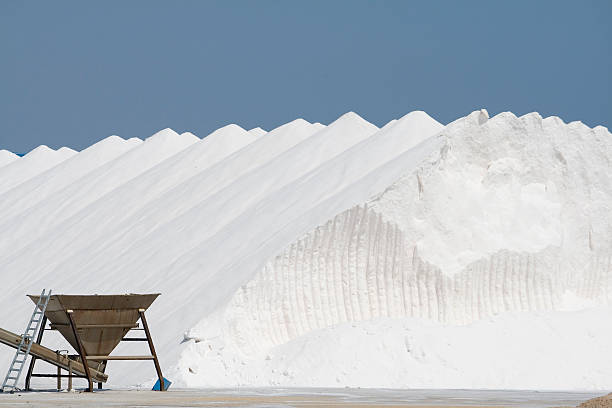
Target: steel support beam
x,y
145,326
81,351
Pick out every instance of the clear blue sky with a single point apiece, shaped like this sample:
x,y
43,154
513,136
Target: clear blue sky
x,y
72,73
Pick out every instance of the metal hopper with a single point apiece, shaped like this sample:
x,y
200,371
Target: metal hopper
x,y
95,324
101,320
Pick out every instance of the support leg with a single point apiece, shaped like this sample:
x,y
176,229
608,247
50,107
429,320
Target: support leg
x,y
81,351
69,374
102,369
145,326
43,323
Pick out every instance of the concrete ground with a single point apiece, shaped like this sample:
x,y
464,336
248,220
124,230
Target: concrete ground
x,y
297,398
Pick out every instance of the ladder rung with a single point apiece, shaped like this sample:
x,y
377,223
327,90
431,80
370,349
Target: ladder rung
x,y
27,339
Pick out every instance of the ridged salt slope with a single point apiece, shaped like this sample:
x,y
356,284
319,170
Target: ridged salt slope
x,y
530,226
360,267
269,225
38,188
35,221
35,162
7,157
157,196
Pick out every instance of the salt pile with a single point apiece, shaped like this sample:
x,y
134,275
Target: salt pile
x,y
414,255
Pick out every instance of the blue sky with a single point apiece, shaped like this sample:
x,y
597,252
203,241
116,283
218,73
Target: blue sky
x,y
72,73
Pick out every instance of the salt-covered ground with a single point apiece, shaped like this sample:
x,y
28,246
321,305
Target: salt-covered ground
x,y
299,398
471,255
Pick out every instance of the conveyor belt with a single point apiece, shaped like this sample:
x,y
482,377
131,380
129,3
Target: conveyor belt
x,y
50,356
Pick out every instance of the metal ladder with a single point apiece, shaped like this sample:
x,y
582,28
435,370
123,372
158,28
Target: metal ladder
x,y
23,351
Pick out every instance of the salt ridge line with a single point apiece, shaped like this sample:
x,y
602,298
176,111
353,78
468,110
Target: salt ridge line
x,y
35,221
170,188
38,188
35,162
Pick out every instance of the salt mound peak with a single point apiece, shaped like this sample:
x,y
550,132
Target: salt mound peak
x,y
162,134
110,143
257,131
351,119
480,116
110,140
43,151
289,127
38,151
66,152
228,131
417,119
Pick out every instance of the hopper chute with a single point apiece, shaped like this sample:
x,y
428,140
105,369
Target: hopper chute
x,y
101,320
94,325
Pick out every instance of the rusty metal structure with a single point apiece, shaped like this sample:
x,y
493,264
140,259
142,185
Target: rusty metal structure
x,y
94,325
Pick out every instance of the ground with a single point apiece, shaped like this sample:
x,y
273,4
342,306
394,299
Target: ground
x,y
297,398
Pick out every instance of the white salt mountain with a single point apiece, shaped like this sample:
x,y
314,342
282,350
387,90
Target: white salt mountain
x,y
35,162
407,256
7,157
